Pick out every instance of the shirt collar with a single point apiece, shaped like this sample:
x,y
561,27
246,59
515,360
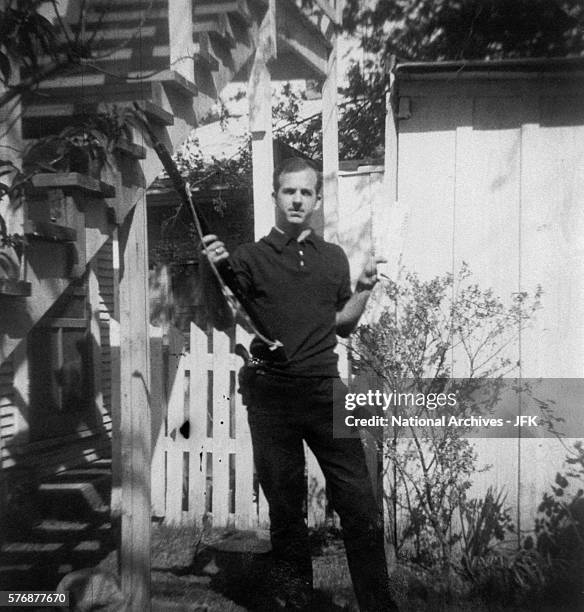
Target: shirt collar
x,y
279,239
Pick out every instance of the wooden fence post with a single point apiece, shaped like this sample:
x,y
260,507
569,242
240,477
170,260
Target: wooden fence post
x,y
330,144
135,415
260,123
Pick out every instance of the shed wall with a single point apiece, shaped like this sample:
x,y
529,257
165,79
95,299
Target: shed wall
x,y
491,173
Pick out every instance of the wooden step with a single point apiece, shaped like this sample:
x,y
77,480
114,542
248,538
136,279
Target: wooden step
x,y
39,557
14,288
122,6
40,565
45,230
80,494
51,112
118,16
73,181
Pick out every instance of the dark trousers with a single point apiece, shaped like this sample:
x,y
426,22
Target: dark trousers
x,y
282,413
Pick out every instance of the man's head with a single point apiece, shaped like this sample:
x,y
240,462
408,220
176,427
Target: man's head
x,y
297,193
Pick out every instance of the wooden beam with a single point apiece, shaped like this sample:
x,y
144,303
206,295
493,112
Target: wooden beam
x,y
260,122
181,45
302,37
135,410
330,147
73,181
328,10
233,7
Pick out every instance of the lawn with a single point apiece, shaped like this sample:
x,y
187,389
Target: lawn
x,y
225,571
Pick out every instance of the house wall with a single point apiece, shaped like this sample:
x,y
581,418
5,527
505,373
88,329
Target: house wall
x,y
491,172
44,455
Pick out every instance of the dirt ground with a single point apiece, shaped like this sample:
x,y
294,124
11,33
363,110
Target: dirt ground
x,y
224,571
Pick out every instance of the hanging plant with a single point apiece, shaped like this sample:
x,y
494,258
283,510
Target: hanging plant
x,y
75,149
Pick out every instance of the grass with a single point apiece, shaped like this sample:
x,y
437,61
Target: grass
x,y
222,571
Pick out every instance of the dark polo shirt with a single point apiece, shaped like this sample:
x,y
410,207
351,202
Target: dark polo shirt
x,y
297,289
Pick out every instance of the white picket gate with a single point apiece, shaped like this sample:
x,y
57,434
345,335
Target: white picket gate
x,y
209,475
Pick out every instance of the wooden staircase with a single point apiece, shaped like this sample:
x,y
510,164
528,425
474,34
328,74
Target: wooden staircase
x,y
68,528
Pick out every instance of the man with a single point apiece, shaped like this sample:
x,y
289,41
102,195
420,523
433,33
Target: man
x,y
300,287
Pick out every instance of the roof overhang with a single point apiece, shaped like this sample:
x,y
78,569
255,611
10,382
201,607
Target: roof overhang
x,y
572,67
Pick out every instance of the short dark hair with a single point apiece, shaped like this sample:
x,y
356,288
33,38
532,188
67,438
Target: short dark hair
x,y
295,164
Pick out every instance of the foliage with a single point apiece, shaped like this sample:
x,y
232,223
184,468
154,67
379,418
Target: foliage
x,y
422,30
549,567
427,332
12,184
305,135
226,173
423,322
559,529
33,49
25,35
89,139
361,121
482,521
75,149
468,29
508,575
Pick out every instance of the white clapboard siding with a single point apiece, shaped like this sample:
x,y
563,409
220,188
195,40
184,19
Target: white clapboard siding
x,y
105,273
7,404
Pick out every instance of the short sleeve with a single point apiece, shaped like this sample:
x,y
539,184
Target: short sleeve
x,y
344,292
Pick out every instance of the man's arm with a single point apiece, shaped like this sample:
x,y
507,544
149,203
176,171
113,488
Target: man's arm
x,y
218,309
348,317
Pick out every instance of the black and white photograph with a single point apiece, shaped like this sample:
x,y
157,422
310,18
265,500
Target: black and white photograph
x,y
291,305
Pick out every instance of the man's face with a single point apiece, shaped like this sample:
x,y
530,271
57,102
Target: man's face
x,y
296,199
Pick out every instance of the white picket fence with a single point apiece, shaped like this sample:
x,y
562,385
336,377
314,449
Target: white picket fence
x,y
209,476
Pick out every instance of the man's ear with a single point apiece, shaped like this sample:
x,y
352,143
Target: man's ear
x,y
318,201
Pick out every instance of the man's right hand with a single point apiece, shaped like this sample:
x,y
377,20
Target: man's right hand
x,y
214,249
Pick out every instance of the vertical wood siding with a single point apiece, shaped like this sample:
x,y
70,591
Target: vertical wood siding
x,y
492,174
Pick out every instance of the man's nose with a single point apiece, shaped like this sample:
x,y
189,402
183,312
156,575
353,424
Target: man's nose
x,y
296,201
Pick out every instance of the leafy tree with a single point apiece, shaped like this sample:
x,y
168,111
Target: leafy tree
x,y
429,30
423,30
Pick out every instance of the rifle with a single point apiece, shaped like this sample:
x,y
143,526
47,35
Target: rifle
x,y
223,269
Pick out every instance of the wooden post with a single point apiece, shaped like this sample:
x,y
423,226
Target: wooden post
x,y
135,429
260,123
330,142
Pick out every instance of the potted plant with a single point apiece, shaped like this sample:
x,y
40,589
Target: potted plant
x,y
85,149
75,149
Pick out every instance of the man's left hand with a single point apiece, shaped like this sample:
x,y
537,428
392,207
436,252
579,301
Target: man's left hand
x,y
368,277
